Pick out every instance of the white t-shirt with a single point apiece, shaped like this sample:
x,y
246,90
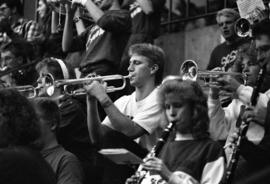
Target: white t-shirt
x,y
147,113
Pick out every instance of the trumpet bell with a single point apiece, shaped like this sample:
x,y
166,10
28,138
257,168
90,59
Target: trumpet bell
x,y
189,71
243,27
74,87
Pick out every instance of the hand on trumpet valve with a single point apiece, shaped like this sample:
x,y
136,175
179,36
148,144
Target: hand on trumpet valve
x,y
96,89
228,83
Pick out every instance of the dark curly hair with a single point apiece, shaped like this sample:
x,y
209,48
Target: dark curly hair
x,y
18,121
192,94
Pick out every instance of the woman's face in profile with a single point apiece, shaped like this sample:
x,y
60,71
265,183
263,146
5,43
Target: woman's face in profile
x,y
43,82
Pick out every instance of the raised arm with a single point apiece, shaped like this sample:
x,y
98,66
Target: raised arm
x,y
118,120
94,11
146,5
93,121
68,33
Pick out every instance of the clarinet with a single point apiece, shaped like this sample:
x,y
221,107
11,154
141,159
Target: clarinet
x,y
243,127
155,151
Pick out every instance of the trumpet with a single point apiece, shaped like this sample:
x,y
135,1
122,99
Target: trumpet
x,y
243,27
28,91
69,84
189,71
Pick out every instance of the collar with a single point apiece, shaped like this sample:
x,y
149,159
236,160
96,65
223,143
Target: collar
x,y
183,137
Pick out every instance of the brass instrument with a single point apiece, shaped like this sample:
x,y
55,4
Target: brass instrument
x,y
28,91
189,71
242,27
69,84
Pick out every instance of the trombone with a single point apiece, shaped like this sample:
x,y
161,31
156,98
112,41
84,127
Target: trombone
x,y
189,71
70,84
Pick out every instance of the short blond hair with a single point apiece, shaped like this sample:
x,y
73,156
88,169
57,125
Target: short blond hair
x,y
228,12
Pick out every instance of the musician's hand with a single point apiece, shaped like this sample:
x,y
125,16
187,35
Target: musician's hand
x,y
156,165
228,83
132,180
97,90
251,116
213,89
232,138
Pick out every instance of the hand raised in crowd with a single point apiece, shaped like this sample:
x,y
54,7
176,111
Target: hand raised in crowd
x,y
80,2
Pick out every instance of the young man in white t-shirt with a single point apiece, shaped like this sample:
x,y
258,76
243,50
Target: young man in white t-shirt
x,y
137,115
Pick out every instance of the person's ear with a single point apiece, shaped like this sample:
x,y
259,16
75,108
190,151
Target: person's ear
x,y
154,68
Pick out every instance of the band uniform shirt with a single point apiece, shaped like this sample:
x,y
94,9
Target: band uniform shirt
x,y
224,55
104,42
192,162
147,113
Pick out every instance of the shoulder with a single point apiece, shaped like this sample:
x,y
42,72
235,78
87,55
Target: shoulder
x,y
125,99
212,148
65,157
70,104
121,14
220,46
